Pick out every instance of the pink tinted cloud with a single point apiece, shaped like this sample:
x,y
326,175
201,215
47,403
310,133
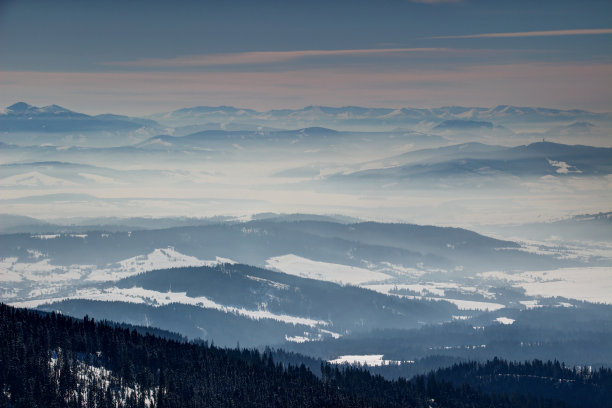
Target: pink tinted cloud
x,y
557,85
262,57
549,33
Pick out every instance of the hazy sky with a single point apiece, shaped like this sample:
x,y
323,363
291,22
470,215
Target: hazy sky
x,y
141,57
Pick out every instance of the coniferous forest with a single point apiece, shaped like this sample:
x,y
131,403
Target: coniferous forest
x,y
49,360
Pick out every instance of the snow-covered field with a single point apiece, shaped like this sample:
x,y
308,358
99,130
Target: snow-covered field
x,y
11,270
475,305
562,249
43,270
165,258
366,359
325,271
591,284
161,258
320,334
37,281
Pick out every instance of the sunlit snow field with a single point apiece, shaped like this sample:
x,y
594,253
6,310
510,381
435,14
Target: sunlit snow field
x,y
48,282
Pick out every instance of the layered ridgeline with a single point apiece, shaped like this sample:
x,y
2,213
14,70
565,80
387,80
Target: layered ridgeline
x,y
364,117
585,227
231,304
458,167
578,335
245,172
484,163
312,278
26,124
206,161
314,132
22,117
54,361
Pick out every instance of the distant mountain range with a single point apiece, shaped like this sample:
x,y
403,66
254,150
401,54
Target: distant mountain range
x,y
367,116
477,159
20,224
319,140
463,125
586,227
239,166
256,242
21,117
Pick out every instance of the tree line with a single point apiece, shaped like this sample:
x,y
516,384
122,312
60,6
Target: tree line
x,y
50,360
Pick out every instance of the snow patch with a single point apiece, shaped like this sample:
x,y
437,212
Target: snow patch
x,y
46,236
154,298
428,289
6,272
366,359
161,258
475,305
297,339
563,167
268,282
330,272
530,304
591,284
41,271
33,253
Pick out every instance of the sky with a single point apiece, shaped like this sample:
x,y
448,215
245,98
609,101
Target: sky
x,y
144,57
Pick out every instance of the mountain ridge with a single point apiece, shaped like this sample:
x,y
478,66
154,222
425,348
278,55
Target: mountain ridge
x,y
362,115
23,117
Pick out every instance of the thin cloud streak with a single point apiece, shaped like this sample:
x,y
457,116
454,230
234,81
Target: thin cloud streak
x,y
549,33
262,57
435,1
554,85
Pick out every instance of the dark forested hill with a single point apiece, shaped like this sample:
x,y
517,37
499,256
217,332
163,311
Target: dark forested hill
x,y
229,303
54,361
478,160
550,379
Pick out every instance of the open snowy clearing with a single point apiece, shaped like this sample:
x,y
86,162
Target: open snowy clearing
x,y
366,359
11,270
325,271
504,320
592,284
475,305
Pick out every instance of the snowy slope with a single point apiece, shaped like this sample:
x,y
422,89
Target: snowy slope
x,y
325,271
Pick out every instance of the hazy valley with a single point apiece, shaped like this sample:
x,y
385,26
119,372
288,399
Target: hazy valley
x,y
470,223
